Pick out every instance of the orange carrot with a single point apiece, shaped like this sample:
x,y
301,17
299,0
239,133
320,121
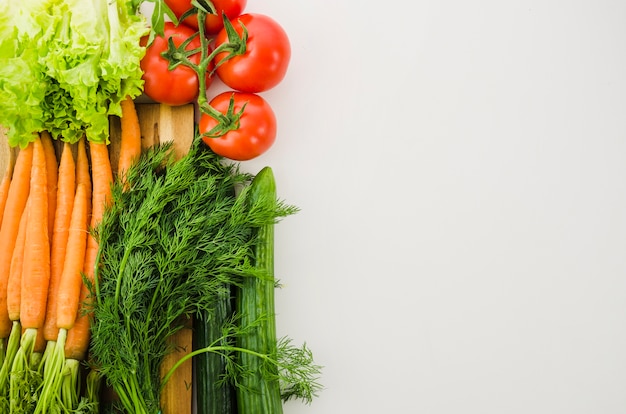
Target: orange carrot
x,y
66,190
36,272
130,140
52,172
68,293
15,204
77,341
75,351
83,175
40,343
11,344
4,189
14,285
73,321
78,336
102,178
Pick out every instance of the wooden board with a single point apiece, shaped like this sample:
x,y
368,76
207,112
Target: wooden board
x,y
161,123
7,154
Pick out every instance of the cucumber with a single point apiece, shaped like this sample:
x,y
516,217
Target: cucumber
x,y
259,391
212,396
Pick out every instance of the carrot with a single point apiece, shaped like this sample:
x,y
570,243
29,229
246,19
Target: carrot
x,y
78,335
83,175
15,204
14,289
83,179
9,349
73,343
68,294
68,300
14,285
66,190
4,189
36,272
102,178
40,343
77,343
130,139
35,280
75,351
52,172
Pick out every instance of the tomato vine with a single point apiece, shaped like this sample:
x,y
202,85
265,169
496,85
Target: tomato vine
x,y
224,55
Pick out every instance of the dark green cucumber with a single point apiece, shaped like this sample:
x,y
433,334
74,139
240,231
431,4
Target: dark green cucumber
x,y
212,395
259,392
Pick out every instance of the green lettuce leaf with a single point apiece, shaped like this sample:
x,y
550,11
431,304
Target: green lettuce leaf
x,y
22,83
67,65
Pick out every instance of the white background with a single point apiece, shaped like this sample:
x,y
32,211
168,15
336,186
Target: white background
x,y
460,167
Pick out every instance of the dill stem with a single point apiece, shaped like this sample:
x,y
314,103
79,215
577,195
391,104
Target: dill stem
x,y
96,278
123,396
133,398
216,349
154,299
147,382
139,402
118,284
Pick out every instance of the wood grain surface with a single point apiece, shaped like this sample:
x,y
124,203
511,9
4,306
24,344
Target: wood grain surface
x,y
162,123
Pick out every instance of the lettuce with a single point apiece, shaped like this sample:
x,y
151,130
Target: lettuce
x,y
22,85
65,66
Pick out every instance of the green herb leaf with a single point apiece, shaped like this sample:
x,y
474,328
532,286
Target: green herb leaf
x,y
172,241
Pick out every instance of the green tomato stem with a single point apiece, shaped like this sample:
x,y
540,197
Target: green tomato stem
x,y
205,5
235,46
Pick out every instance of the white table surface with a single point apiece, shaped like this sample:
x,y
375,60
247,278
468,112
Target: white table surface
x,y
461,172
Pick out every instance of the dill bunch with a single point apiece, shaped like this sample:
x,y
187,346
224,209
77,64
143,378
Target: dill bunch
x,y
170,244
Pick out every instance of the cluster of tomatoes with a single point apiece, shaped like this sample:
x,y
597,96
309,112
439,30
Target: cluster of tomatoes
x,y
248,52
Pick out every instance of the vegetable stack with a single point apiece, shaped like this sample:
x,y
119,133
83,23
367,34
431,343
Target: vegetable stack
x,y
66,67
176,240
101,267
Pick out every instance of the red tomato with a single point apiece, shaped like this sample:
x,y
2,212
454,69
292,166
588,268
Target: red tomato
x,y
213,22
265,61
257,126
176,87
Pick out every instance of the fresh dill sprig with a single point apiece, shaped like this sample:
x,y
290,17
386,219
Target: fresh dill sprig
x,y
170,243
293,367
298,372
